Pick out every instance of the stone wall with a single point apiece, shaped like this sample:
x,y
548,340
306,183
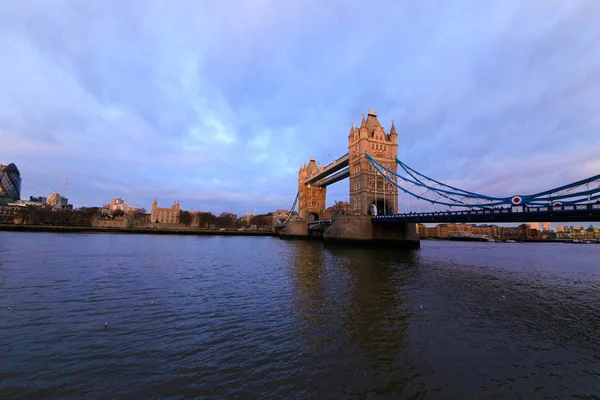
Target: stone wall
x,y
405,232
350,227
362,229
117,222
141,220
294,229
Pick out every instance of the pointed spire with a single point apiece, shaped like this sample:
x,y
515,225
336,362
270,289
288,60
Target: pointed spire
x,y
363,123
351,129
393,129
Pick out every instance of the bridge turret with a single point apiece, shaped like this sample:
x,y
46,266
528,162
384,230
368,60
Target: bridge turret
x,y
370,191
311,198
393,130
372,123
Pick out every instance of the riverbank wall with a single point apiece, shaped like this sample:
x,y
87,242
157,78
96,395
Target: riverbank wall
x,y
456,239
150,231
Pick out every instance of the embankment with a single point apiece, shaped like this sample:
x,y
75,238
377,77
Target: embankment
x,y
144,231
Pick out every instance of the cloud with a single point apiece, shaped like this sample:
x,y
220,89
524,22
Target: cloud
x,y
218,104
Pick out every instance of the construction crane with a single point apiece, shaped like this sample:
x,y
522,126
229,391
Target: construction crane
x,y
135,196
55,198
62,187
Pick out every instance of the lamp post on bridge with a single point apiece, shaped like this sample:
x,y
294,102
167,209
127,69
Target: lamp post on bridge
x,y
383,179
377,175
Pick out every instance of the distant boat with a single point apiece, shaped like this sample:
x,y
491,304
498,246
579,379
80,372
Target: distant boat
x,y
510,241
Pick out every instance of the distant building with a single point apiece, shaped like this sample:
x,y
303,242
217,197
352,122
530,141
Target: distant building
x,y
117,204
340,207
534,225
39,199
120,205
245,219
8,213
10,183
57,201
265,220
165,215
546,227
281,214
560,229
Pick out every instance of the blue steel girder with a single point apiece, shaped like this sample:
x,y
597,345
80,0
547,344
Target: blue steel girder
x,y
563,213
573,193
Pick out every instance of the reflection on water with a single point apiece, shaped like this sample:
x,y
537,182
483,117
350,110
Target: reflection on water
x,y
355,317
261,318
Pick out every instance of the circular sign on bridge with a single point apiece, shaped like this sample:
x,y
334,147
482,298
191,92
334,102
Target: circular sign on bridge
x,y
516,200
557,204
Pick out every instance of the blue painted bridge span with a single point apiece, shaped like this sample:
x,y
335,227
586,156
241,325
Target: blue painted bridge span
x,y
563,213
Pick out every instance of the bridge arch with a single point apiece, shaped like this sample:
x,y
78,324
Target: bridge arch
x,y
381,206
312,216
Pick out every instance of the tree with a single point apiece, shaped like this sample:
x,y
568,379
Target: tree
x,y
206,218
185,218
261,220
226,220
118,213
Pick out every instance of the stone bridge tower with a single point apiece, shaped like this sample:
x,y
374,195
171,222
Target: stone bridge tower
x,y
311,198
370,192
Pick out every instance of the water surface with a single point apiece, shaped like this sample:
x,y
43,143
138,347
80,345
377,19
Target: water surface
x,y
256,317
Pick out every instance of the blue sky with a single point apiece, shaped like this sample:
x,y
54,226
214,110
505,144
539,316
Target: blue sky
x,y
219,103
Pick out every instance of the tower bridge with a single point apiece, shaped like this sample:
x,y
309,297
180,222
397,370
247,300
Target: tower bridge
x,y
323,175
376,177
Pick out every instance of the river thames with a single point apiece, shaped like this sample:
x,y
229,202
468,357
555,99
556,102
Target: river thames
x,y
258,317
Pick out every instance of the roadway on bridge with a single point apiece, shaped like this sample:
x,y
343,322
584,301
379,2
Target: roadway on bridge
x,y
324,173
570,213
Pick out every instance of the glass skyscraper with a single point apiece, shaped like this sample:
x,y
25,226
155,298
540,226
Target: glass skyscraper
x,y
10,182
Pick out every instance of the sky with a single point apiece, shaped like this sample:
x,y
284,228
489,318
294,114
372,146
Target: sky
x,y
217,104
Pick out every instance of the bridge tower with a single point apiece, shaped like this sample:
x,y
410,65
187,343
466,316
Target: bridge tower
x,y
371,193
311,198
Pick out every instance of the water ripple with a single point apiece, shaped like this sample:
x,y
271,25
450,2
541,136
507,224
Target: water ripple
x,y
220,317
